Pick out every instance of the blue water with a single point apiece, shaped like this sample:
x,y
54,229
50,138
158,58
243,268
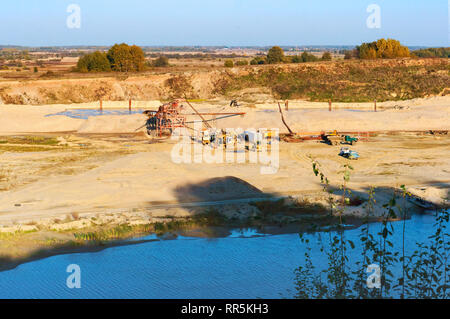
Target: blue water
x,y
247,265
86,113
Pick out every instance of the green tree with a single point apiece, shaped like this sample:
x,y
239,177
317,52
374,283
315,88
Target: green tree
x,y
124,58
326,56
275,55
93,62
137,58
308,57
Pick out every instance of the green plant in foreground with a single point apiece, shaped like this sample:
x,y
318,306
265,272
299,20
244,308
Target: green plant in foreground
x,y
424,274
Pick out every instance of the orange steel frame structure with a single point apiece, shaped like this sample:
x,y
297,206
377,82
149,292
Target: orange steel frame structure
x,y
169,117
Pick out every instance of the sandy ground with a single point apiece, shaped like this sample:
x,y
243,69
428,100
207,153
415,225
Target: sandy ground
x,y
119,173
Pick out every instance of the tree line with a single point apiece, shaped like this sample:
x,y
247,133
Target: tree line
x,y
433,53
125,58
119,58
276,55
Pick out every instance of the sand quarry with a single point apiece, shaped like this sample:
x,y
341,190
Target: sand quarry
x,y
102,170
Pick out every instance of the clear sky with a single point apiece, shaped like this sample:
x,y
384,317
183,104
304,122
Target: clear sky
x,y
223,22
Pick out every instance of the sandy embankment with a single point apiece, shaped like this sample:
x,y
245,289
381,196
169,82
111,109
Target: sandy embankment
x,y
44,118
414,115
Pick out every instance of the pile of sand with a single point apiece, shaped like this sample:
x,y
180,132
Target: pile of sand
x,y
433,194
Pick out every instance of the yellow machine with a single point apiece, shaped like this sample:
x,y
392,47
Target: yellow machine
x,y
269,134
228,139
206,137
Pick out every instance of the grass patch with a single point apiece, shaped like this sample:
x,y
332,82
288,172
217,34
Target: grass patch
x,y
118,232
29,140
208,218
22,144
15,235
23,149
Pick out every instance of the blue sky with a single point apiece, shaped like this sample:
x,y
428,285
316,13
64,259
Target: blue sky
x,y
223,22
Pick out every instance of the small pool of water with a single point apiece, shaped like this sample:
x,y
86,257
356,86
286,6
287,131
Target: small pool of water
x,y
86,113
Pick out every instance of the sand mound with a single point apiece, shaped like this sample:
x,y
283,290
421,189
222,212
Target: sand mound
x,y
113,124
214,189
433,194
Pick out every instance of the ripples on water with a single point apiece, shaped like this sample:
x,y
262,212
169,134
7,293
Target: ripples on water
x,y
86,113
243,265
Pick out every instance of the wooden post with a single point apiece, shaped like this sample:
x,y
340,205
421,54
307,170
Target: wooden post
x,y
203,119
284,122
101,106
286,104
329,105
129,106
375,105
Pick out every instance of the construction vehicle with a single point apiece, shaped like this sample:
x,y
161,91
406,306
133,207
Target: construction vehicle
x,y
254,140
269,134
172,115
206,137
230,139
234,103
348,153
349,140
333,138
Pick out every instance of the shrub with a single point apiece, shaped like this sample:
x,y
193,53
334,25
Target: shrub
x,y
433,53
242,62
229,63
258,60
296,59
162,61
48,74
308,57
326,56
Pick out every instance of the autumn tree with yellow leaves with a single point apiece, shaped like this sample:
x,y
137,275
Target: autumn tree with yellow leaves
x,y
382,49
